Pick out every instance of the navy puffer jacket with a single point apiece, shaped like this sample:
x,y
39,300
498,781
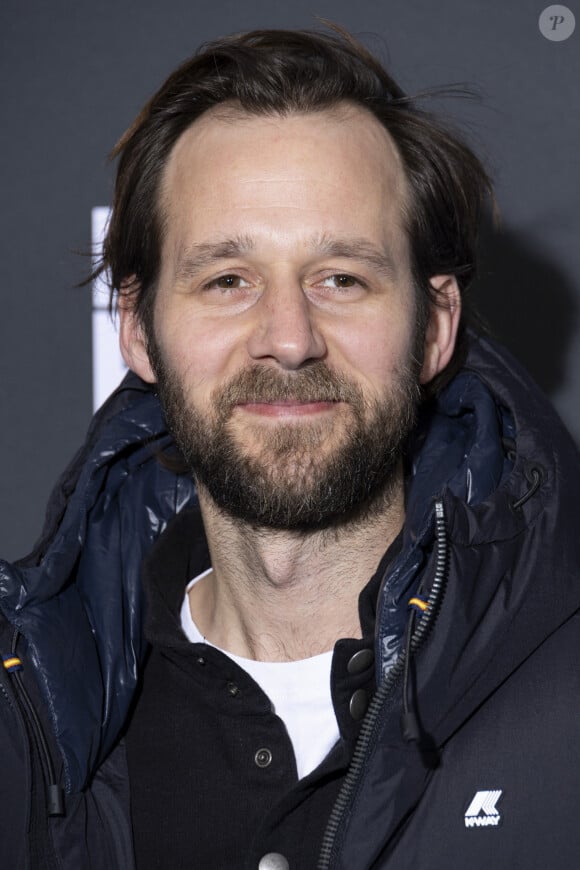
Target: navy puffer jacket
x,y
491,773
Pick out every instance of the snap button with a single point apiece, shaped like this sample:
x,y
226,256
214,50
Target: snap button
x,y
233,689
273,861
360,661
358,704
200,660
263,758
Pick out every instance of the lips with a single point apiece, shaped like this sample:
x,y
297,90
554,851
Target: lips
x,y
287,407
265,392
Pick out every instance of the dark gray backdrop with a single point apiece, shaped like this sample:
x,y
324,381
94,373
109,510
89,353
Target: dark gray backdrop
x,y
74,74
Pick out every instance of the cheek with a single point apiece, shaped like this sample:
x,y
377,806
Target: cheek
x,y
201,352
376,349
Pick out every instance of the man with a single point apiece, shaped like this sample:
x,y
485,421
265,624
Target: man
x,y
361,627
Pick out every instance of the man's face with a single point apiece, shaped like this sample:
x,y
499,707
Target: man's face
x,y
284,320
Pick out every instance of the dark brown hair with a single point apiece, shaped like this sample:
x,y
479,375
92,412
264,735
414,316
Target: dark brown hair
x,y
279,72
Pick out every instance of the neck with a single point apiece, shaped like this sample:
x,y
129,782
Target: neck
x,y
284,595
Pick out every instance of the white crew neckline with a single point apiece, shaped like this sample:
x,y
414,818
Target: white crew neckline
x,y
299,692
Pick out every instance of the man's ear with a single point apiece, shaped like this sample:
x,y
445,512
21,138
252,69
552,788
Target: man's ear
x,y
132,339
441,332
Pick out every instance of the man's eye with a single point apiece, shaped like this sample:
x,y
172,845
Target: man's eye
x,y
227,282
340,281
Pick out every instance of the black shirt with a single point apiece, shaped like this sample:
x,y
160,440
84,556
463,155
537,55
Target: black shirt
x,y
212,769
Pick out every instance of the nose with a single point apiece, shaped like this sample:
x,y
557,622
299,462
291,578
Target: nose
x,y
285,328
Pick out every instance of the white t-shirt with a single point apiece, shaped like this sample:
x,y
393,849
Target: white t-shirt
x,y
299,693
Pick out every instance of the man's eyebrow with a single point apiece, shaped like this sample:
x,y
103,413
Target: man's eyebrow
x,y
198,256
357,249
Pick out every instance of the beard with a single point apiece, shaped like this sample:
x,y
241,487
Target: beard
x,y
302,475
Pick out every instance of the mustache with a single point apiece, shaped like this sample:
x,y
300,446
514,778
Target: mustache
x,y
314,383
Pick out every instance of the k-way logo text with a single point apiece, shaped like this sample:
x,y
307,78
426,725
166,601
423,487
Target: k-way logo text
x,y
482,810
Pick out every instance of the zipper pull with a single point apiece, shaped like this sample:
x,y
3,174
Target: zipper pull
x,y
54,793
55,800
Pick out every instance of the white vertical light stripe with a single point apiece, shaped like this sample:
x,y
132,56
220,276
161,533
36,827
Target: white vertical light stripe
x,y
108,364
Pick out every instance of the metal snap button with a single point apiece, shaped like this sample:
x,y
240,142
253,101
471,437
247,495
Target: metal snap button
x,y
358,704
263,757
273,861
360,661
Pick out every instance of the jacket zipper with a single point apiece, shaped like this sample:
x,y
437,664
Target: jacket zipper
x,y
54,793
369,725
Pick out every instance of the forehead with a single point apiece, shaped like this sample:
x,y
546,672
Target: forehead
x,y
332,166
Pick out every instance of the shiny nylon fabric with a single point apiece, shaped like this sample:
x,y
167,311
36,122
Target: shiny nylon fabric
x,y
80,608
458,449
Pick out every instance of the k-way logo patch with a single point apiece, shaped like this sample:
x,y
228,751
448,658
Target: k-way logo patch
x,y
482,809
